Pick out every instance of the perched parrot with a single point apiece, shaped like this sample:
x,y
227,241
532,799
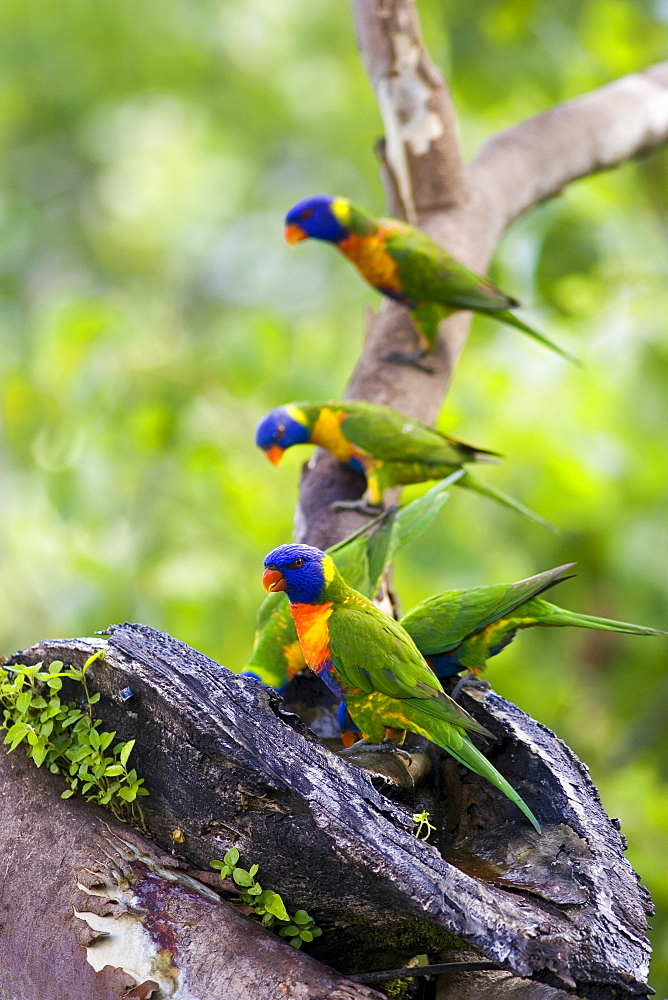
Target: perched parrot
x,y
362,560
406,265
461,629
387,447
370,662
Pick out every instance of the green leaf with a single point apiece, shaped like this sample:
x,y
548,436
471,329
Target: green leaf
x,y
253,870
39,753
23,701
291,930
67,794
94,698
114,769
301,917
18,730
242,877
129,794
105,740
316,931
306,935
126,751
91,659
231,857
55,683
274,904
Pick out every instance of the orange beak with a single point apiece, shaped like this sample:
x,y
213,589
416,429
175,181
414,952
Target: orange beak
x,y
275,454
294,233
273,580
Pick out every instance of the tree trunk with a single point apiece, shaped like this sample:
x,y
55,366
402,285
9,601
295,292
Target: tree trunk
x,y
563,908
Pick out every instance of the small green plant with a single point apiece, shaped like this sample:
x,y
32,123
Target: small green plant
x,y
68,739
266,904
421,820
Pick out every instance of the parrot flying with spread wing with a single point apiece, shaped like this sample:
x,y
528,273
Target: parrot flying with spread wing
x,y
371,663
406,265
461,629
387,447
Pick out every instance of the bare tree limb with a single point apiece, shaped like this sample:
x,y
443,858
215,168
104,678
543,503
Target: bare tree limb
x,y
536,159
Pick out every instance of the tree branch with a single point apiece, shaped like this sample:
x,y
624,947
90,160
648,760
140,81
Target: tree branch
x,y
465,209
535,160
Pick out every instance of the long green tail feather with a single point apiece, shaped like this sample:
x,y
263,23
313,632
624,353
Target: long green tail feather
x,y
472,483
471,757
512,320
557,616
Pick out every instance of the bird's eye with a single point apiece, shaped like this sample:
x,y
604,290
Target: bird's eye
x,y
297,563
306,214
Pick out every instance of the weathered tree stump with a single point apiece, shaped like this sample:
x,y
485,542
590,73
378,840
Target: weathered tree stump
x,y
228,767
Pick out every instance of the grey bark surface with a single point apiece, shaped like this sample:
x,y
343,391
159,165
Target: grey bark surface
x,y
81,891
226,766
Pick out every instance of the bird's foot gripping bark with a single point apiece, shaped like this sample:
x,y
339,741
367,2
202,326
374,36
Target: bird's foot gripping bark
x,y
469,680
385,761
414,360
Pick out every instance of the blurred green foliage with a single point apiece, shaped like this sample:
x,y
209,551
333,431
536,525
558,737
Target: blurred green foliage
x,y
150,313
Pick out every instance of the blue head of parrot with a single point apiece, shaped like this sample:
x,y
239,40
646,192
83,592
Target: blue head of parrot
x,y
280,430
320,217
298,570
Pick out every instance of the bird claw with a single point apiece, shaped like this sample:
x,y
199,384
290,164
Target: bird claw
x,y
414,360
469,681
361,506
386,747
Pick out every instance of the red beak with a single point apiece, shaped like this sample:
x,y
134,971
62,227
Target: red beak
x,y
273,580
275,454
294,233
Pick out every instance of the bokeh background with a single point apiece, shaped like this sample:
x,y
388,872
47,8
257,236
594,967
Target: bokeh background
x,y
150,313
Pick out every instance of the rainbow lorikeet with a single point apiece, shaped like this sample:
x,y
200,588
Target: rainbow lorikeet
x,y
371,663
461,629
387,447
362,559
406,265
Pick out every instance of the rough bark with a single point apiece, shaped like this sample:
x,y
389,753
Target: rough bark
x,y
90,908
564,908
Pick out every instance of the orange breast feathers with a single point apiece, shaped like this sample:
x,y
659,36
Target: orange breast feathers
x,y
311,623
372,260
327,433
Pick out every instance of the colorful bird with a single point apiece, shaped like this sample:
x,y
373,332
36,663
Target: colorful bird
x,y
387,447
362,559
461,629
406,265
371,663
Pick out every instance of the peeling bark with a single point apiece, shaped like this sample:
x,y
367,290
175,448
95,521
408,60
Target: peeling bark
x,y
90,908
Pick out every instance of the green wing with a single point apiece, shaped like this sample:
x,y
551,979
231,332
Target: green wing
x,y
441,623
428,273
373,652
390,436
362,558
